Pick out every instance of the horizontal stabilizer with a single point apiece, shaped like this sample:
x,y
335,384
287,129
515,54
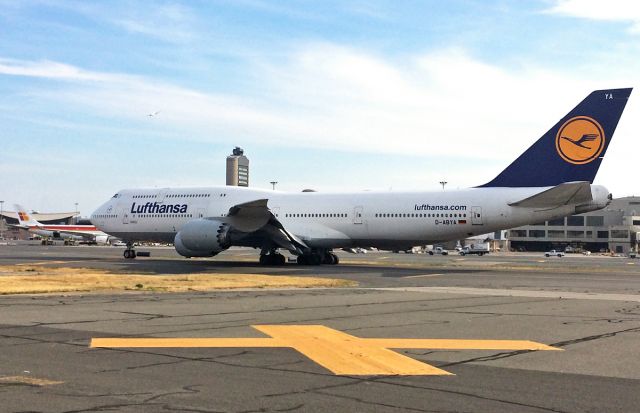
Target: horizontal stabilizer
x,y
563,194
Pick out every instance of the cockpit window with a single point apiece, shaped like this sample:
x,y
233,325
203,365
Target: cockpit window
x,y
116,196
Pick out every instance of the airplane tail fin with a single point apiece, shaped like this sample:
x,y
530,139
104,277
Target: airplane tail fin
x,y
573,148
24,217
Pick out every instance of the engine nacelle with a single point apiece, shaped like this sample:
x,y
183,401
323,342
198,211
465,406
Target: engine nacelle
x,y
202,238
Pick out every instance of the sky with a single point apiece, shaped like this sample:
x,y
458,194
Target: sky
x,y
329,95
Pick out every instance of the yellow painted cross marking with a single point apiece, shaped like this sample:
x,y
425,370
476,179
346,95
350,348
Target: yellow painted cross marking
x,y
341,353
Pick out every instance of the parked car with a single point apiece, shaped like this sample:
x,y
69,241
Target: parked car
x,y
554,253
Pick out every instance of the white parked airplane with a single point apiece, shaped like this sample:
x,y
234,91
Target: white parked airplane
x,y
73,232
551,179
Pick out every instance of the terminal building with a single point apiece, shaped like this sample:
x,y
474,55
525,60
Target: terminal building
x,y
237,168
613,229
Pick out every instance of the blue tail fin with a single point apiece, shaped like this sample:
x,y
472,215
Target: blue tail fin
x,y
573,149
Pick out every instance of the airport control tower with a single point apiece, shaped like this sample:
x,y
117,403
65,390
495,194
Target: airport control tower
x,y
237,168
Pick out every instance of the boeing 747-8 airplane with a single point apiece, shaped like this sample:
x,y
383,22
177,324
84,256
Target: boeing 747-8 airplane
x,y
552,179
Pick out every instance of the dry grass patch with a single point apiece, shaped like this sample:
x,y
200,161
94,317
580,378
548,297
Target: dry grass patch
x,y
34,279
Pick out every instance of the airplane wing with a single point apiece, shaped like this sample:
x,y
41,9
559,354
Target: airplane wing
x,y
78,233
563,194
256,215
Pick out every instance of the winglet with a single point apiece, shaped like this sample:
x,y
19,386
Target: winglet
x,y
573,148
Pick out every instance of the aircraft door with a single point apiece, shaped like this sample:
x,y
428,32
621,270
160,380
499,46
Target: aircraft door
x,y
476,215
275,211
200,213
357,215
161,195
125,216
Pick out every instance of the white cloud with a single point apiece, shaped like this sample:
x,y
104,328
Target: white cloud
x,y
168,22
610,10
51,70
443,104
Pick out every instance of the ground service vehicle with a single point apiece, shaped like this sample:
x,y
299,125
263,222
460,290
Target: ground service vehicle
x,y
554,253
478,249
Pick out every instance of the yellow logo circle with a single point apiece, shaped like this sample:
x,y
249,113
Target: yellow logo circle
x,y
580,140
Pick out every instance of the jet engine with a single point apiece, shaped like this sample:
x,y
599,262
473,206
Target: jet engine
x,y
202,238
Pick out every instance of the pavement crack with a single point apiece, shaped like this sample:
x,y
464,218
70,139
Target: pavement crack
x,y
427,322
472,395
594,337
111,407
189,409
95,395
191,389
285,409
388,405
565,343
144,366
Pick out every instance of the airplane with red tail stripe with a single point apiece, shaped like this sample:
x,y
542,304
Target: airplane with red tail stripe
x,y
74,232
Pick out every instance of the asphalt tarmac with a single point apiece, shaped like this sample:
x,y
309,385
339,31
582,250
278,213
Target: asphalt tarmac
x,y
588,306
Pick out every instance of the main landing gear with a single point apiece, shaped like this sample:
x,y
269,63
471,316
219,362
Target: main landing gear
x,y
318,257
129,253
314,257
272,258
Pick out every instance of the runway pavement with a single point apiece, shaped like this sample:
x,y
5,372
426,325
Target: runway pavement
x,y
587,306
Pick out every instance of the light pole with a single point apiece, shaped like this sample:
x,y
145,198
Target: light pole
x,y
443,183
273,183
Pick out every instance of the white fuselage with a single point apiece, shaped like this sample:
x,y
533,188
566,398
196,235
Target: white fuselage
x,y
334,220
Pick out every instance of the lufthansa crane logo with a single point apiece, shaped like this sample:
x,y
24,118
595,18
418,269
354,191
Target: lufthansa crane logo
x,y
580,140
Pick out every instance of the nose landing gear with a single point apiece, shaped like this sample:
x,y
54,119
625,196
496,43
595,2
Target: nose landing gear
x,y
129,253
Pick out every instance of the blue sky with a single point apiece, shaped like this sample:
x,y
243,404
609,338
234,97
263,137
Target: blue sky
x,y
329,95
